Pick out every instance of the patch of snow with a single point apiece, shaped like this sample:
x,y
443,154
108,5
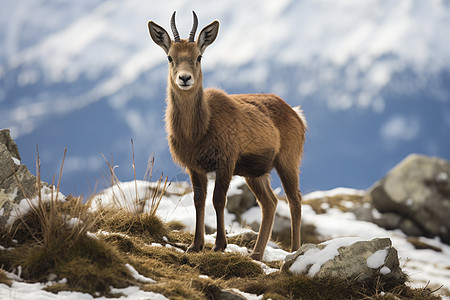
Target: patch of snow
x,y
247,296
24,291
203,276
266,268
376,214
235,183
72,222
409,201
333,193
347,204
441,177
385,270
16,161
377,259
252,215
138,276
91,235
272,254
47,195
325,205
133,292
7,249
237,249
313,259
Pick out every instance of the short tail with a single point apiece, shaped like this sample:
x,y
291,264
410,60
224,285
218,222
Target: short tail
x,y
301,115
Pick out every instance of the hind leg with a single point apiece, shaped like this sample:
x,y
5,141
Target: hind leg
x,y
260,186
290,180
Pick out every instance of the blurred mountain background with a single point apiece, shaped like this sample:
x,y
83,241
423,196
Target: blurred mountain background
x,y
373,78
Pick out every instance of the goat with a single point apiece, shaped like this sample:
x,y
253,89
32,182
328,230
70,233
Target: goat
x,y
246,134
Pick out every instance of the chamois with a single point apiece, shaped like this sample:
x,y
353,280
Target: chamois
x,y
246,134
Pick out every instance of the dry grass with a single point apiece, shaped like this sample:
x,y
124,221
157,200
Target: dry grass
x,y
342,202
136,203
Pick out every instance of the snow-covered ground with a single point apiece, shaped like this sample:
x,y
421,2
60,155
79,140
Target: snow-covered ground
x,y
422,266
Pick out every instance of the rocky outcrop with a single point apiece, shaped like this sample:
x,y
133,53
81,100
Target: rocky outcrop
x,y
16,182
415,196
346,258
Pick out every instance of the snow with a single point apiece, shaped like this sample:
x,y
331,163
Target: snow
x,y
377,259
138,276
72,222
16,161
385,270
441,177
248,296
47,195
333,193
25,291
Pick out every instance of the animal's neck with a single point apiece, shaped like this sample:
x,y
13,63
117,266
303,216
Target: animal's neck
x,y
187,114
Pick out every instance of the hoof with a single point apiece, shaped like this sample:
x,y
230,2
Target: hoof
x,y
220,248
194,248
256,256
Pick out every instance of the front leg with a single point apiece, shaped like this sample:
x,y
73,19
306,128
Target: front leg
x,y
199,184
219,200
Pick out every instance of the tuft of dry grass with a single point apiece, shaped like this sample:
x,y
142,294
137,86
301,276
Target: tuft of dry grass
x,y
146,226
138,204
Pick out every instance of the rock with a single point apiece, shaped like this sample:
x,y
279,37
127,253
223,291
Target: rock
x,y
363,213
346,258
215,292
418,189
5,139
228,295
389,220
410,228
16,181
239,202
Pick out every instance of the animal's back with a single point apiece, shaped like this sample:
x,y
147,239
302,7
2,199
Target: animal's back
x,y
290,123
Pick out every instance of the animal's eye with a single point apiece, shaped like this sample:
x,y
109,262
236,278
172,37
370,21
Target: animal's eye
x,y
170,58
199,58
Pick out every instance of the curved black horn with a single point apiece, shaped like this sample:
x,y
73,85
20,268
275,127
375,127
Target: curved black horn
x,y
176,35
194,28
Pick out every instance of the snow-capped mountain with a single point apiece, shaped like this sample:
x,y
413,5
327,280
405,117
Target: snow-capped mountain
x,y
373,78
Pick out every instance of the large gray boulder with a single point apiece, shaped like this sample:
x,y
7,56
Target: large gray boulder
x,y
346,258
418,190
16,182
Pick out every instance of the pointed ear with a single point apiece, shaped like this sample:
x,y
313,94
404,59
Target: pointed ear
x,y
207,36
160,36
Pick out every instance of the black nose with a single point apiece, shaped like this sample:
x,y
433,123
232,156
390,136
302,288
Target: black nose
x,y
185,78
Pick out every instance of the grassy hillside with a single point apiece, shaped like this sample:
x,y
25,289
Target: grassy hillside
x,y
89,251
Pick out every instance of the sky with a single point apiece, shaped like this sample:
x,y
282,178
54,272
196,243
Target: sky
x,y
372,77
